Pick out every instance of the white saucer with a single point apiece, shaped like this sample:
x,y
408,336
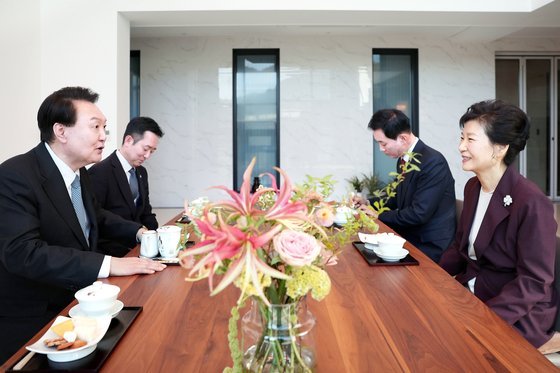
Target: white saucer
x,y
76,311
400,254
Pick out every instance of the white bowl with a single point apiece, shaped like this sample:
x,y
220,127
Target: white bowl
x,y
389,242
392,256
343,213
97,299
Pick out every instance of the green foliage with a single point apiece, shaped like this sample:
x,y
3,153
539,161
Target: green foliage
x,y
236,354
372,183
314,189
383,195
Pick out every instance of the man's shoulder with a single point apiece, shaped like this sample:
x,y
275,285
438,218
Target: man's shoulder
x,y
429,156
21,161
427,151
102,165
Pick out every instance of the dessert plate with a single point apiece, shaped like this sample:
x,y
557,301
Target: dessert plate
x,y
70,354
76,311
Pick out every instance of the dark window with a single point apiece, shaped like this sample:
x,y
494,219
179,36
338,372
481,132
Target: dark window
x,y
134,84
395,85
256,111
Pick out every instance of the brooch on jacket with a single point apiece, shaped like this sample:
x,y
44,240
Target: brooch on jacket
x,y
508,200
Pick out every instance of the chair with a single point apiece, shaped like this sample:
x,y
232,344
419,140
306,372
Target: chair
x,y
554,356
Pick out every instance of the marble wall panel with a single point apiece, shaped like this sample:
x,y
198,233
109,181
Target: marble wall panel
x,y
325,104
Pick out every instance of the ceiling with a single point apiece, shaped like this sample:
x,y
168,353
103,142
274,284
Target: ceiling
x,y
456,25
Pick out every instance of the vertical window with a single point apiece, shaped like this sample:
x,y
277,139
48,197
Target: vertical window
x,y
134,84
256,111
395,85
531,82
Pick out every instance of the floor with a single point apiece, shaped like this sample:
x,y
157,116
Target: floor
x,y
164,215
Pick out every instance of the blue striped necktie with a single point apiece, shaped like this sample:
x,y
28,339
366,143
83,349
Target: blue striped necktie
x,y
78,203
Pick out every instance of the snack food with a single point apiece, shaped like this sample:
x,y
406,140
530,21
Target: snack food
x,y
72,333
85,328
62,344
63,327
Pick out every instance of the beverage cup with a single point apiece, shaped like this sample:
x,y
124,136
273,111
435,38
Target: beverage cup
x,y
169,237
149,244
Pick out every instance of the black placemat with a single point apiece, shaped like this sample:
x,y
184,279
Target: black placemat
x,y
92,362
374,260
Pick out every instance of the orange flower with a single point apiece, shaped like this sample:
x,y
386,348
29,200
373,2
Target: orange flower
x,y
324,216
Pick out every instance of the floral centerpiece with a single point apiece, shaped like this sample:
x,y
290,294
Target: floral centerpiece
x,y
274,245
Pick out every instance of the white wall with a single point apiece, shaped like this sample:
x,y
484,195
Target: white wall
x,y
20,68
186,86
325,105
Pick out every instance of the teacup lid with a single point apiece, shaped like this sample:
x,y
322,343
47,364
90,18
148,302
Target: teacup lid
x,y
170,228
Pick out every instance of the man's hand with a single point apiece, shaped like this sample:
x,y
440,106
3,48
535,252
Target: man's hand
x,y
357,202
139,234
368,210
132,266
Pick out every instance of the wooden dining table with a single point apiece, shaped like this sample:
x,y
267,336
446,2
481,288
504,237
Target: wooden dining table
x,y
406,318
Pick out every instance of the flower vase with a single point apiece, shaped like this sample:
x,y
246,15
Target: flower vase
x,y
278,338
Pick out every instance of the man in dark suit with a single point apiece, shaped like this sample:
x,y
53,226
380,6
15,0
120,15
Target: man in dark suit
x,y
423,210
50,221
120,182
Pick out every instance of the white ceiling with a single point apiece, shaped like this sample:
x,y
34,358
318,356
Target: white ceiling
x,y
457,25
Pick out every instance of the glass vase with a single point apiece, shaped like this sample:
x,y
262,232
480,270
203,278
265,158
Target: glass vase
x,y
278,338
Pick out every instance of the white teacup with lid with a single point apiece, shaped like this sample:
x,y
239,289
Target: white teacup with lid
x,y
97,299
169,237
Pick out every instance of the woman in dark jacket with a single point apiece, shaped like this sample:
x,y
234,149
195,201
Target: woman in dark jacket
x,y
505,246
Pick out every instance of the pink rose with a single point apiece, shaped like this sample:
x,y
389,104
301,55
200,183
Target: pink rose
x,y
296,248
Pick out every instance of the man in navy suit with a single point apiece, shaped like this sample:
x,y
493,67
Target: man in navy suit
x,y
48,239
423,210
120,182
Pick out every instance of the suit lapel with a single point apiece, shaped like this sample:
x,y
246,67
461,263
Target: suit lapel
x,y
53,185
409,178
496,212
122,182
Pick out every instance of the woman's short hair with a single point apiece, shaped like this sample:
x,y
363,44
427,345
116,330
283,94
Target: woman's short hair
x,y
503,123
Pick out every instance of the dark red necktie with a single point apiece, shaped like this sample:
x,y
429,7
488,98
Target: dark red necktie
x,y
401,165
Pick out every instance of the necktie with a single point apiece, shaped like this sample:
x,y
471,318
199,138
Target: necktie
x,y
78,202
401,165
134,184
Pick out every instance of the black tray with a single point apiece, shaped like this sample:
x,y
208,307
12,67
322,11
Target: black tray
x,y
92,362
374,260
183,220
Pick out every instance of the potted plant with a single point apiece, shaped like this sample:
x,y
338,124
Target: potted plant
x,y
356,184
372,183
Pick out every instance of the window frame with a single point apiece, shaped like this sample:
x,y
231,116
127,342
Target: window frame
x,y
413,54
238,52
